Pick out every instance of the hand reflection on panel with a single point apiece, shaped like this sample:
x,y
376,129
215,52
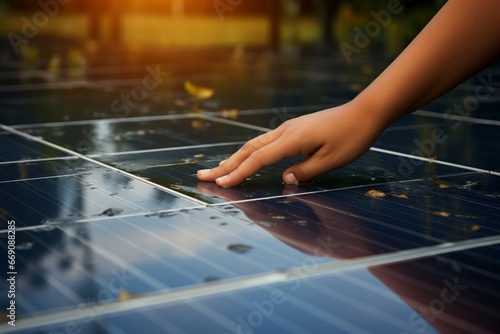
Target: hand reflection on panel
x,y
435,288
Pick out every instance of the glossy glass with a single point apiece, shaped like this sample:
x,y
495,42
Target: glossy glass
x,y
125,239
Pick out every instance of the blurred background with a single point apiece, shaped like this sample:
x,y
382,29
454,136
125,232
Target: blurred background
x,y
211,22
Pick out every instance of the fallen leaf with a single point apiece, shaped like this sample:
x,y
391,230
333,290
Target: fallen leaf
x,y
199,125
475,227
436,181
123,295
400,195
442,213
200,93
229,113
375,193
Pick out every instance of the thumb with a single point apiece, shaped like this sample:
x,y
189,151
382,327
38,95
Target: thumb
x,y
305,171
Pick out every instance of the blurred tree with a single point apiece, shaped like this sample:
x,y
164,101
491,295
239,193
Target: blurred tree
x,y
327,11
114,9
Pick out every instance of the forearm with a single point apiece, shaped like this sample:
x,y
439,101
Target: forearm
x,y
460,40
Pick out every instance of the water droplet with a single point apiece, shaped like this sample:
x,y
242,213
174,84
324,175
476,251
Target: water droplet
x,y
278,217
239,248
211,279
232,213
111,212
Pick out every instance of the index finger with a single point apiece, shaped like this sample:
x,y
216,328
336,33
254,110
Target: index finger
x,y
255,161
237,158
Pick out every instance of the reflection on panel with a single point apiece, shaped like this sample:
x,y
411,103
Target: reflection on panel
x,y
177,169
454,141
449,294
89,192
410,215
110,137
16,148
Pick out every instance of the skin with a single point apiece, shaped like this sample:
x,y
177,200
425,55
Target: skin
x,y
461,39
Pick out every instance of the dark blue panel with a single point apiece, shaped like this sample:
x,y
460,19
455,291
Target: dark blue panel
x,y
41,168
86,194
55,270
452,293
454,141
177,169
110,137
14,148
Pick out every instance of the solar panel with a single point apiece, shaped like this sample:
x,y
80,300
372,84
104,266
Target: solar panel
x,y
115,234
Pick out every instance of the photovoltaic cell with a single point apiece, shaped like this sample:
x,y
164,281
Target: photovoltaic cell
x,y
115,233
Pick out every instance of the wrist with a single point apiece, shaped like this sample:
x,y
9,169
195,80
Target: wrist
x,y
372,112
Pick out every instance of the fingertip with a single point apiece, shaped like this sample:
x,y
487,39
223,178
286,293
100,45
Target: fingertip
x,y
222,181
290,178
203,174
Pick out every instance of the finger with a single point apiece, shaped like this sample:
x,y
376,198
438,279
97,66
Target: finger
x,y
227,166
267,155
304,171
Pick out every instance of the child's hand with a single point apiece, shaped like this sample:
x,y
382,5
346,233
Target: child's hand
x,y
328,139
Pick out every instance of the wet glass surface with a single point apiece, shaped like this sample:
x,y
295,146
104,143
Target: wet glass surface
x,y
110,137
16,148
40,168
159,252
452,293
100,250
183,248
410,214
177,169
453,141
86,192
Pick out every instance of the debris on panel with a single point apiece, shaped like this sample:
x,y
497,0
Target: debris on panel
x,y
375,193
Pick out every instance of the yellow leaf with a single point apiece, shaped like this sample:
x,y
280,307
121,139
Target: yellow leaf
x,y
124,295
229,113
200,93
436,181
375,193
442,213
400,195
199,125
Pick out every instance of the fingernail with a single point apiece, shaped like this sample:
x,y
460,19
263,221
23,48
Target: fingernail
x,y
291,179
203,172
221,179
222,162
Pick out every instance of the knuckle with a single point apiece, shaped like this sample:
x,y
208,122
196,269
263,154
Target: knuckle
x,y
256,158
249,146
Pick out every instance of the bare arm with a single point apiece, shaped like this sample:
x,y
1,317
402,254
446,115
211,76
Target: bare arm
x,y
460,40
